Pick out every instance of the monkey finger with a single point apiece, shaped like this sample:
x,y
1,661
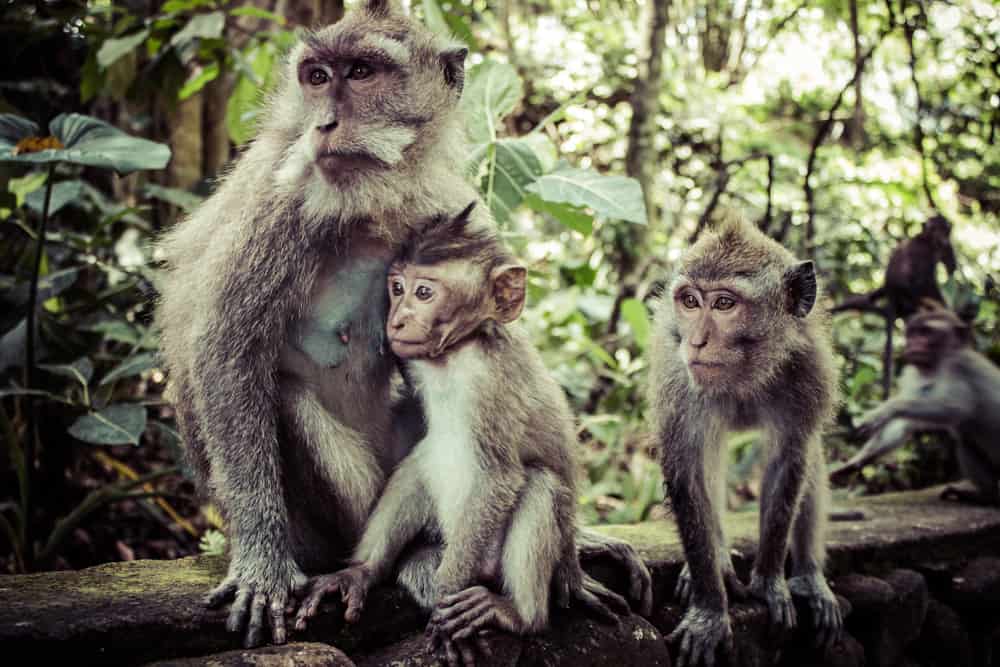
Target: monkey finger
x,y
594,605
456,604
256,624
468,652
561,592
277,618
238,610
483,643
641,587
687,646
451,653
224,591
467,623
355,600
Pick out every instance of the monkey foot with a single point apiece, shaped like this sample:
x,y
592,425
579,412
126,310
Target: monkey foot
x,y
773,591
353,583
826,615
590,544
269,592
464,614
698,636
734,587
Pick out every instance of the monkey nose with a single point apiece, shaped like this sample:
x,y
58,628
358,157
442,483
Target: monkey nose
x,y
326,128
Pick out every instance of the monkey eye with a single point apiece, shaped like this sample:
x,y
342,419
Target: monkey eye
x,y
318,77
690,301
396,287
724,303
359,70
424,292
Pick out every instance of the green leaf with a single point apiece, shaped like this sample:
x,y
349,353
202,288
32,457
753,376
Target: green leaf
x,y
63,193
80,370
259,13
90,142
615,197
13,129
201,26
182,199
513,167
570,216
492,90
461,29
634,312
434,18
116,330
119,424
245,102
129,367
198,79
24,186
113,49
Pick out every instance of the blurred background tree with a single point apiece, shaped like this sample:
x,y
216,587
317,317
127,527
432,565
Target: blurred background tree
x,y
838,126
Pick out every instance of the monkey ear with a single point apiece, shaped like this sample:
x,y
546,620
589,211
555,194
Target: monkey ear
x,y
800,288
453,64
508,283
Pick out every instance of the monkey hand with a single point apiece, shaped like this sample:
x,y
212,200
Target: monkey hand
x,y
826,614
256,586
590,544
870,424
774,592
698,635
353,583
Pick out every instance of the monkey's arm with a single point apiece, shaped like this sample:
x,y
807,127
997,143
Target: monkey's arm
x,y
236,397
891,436
946,402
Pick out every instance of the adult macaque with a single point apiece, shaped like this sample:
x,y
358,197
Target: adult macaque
x,y
738,345
494,475
946,386
273,304
909,279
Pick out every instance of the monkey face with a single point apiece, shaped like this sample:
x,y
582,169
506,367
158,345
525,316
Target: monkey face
x,y
931,336
433,307
712,323
373,89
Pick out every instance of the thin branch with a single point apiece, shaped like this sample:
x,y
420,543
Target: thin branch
x,y
723,173
918,130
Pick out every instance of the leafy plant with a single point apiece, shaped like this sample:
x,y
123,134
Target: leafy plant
x,y
73,139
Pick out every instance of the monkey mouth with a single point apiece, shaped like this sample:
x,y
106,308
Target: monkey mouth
x,y
409,349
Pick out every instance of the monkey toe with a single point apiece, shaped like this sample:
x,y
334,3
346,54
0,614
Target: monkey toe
x,y
221,593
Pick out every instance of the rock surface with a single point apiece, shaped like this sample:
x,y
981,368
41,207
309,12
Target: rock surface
x,y
914,547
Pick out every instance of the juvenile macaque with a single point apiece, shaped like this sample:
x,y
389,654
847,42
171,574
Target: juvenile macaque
x,y
737,345
946,386
494,475
273,305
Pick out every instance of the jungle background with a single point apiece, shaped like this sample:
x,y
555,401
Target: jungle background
x,y
606,134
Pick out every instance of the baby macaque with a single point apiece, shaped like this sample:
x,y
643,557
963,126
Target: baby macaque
x,y
494,477
946,386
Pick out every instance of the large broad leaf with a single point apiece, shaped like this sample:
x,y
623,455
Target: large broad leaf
x,y
616,197
492,90
113,49
120,424
570,216
512,168
49,286
87,141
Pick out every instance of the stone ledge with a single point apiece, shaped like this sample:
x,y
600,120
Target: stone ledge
x,y
133,613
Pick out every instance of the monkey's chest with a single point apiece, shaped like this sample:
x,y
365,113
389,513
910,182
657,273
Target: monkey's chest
x,y
347,313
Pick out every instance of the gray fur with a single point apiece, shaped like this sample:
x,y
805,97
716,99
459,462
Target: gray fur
x,y
779,376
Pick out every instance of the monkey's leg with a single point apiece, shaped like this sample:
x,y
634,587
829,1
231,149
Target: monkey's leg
x,y
782,489
977,469
693,475
809,554
417,569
